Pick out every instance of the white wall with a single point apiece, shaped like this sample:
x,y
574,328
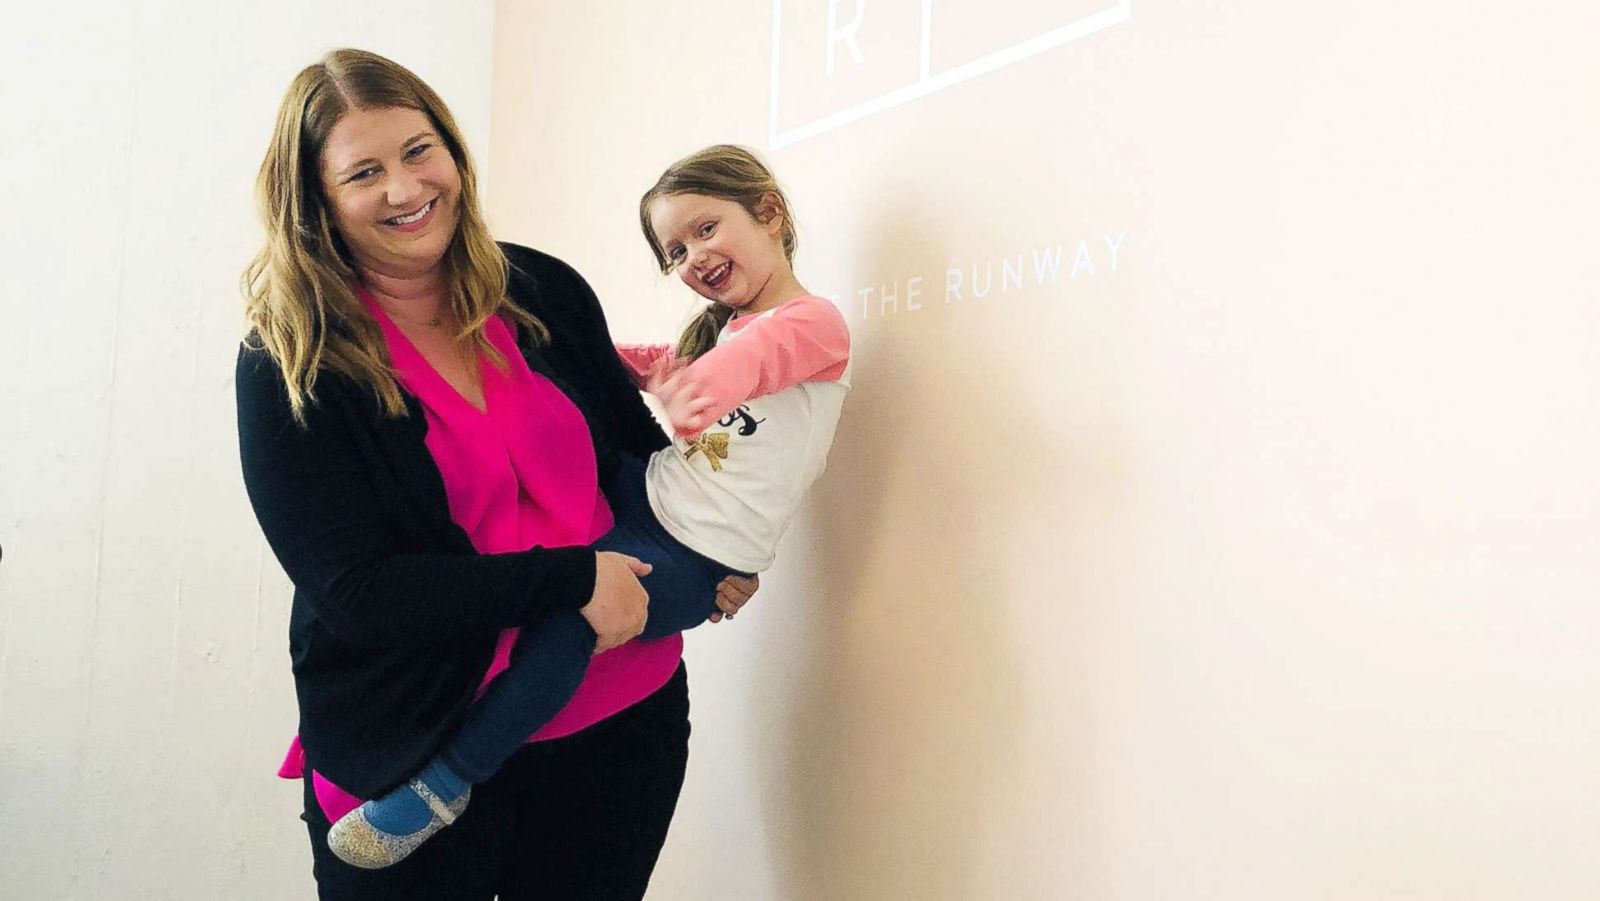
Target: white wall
x,y
145,697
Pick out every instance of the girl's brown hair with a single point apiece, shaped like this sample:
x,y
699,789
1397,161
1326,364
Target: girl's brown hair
x,y
726,172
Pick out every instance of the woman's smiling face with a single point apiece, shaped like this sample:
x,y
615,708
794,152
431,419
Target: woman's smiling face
x,y
393,188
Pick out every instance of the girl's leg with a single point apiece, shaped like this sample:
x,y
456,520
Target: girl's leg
x,y
547,664
463,863
683,584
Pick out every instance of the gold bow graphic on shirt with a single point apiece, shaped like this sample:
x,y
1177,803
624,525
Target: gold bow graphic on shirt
x,y
714,446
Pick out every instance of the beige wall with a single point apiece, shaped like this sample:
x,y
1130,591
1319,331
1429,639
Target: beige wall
x,y
1257,561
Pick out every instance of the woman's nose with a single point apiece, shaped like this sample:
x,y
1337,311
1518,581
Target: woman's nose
x,y
403,188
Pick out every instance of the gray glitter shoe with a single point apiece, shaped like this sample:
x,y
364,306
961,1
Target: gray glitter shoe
x,y
361,844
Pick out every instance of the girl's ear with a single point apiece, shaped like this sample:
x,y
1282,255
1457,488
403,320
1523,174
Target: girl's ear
x,y
770,212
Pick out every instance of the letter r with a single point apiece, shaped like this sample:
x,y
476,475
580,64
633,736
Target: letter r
x,y
847,34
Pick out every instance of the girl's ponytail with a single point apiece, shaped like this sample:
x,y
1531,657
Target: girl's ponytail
x,y
701,333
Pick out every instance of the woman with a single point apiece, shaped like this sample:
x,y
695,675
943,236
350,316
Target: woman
x,y
425,418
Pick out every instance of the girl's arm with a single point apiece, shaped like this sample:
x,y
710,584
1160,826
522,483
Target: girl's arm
x,y
638,359
804,340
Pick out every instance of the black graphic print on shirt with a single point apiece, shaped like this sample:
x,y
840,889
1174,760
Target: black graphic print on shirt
x,y
741,415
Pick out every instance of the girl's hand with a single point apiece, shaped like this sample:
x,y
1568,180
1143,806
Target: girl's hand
x,y
660,369
687,407
732,594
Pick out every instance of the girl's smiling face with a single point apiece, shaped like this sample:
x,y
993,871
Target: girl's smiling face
x,y
721,251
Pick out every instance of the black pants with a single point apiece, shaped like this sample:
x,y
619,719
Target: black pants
x,y
580,818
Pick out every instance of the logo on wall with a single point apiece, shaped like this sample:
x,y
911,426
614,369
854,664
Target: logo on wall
x,y
835,62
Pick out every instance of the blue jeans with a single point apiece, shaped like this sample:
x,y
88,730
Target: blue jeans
x,y
549,661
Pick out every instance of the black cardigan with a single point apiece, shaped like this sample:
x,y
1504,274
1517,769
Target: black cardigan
x,y
395,615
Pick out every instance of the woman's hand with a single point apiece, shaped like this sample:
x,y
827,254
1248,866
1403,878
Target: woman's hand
x,y
732,594
619,606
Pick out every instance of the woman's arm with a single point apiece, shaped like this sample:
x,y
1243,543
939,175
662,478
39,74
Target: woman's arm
x,y
317,506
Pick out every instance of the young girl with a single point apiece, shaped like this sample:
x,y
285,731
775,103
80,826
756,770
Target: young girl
x,y
753,392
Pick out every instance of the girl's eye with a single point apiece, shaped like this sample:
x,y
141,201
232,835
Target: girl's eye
x,y
707,229
675,253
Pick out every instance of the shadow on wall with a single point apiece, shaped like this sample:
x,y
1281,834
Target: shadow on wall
x,y
904,702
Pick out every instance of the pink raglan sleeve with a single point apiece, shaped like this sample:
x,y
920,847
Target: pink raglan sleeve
x,y
638,358
805,340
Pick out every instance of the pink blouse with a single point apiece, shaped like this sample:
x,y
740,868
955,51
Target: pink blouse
x,y
519,473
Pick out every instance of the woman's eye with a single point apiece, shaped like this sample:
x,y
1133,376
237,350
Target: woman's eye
x,y
364,174
418,150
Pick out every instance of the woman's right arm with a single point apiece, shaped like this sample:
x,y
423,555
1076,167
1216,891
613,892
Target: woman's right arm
x,y
317,507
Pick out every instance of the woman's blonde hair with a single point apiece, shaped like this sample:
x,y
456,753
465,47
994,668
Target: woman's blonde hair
x,y
726,172
300,288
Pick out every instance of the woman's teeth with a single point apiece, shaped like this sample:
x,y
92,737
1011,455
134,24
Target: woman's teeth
x,y
413,217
